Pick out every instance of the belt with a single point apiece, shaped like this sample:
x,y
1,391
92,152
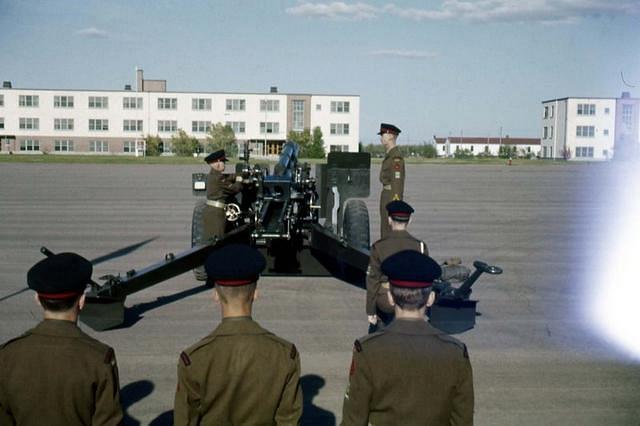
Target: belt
x,y
387,187
218,204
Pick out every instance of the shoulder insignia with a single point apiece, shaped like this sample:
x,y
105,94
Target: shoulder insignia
x,y
396,197
397,159
357,346
108,358
185,358
294,352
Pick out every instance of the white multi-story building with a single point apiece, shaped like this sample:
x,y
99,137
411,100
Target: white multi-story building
x,y
116,122
578,128
489,146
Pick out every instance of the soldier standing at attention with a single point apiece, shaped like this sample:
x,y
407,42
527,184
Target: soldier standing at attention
x,y
379,311
241,374
410,373
391,173
55,374
219,187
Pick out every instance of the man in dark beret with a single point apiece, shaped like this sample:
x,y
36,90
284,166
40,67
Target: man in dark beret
x,y
392,173
219,188
409,373
240,374
379,311
55,374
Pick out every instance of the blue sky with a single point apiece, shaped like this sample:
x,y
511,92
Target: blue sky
x,y
430,67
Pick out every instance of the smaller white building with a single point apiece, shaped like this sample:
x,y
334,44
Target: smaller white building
x,y
578,128
486,146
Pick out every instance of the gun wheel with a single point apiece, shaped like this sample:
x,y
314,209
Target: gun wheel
x,y
355,224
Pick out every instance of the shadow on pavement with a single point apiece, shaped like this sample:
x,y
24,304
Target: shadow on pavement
x,y
121,252
312,414
132,393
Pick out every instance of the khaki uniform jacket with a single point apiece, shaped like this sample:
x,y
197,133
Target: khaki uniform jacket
x,y
392,176
55,374
394,242
219,187
411,374
241,374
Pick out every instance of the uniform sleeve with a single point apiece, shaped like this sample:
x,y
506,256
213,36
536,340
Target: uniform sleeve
x,y
187,400
107,400
374,279
230,186
355,409
5,413
289,409
463,399
397,178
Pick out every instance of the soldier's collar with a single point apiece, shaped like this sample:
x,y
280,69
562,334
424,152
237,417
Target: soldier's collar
x,y
411,326
54,327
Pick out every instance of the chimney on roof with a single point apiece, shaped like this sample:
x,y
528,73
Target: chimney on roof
x,y
273,89
6,85
127,87
139,80
626,95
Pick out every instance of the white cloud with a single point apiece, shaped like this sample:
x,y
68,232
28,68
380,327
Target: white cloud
x,y
92,32
407,54
543,11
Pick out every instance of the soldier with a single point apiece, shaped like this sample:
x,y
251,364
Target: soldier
x,y
219,187
55,374
379,311
391,173
409,373
241,373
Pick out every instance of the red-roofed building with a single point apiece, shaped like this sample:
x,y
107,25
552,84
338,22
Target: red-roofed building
x,y
486,145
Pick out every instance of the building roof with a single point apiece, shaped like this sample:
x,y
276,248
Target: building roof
x,y
473,140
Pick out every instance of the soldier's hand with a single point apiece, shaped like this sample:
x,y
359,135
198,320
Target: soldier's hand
x,y
239,178
373,319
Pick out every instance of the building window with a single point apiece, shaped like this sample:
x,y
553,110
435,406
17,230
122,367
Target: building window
x,y
606,110
627,114
98,146
235,105
63,123
553,107
550,132
132,125
129,146
339,129
269,127
1,122
546,112
98,124
200,126
339,106
63,101
338,148
29,101
167,125
98,102
29,145
584,152
270,105
545,132
201,104
167,103
1,100
131,103
444,148
298,116
605,132
585,131
63,146
237,126
29,123
318,107
586,109
471,148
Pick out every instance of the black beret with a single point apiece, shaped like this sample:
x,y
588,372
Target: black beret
x,y
411,269
60,276
215,156
389,128
234,265
399,210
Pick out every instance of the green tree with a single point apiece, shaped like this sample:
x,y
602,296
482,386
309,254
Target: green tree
x,y
303,139
184,145
221,136
462,153
152,144
507,151
429,151
316,147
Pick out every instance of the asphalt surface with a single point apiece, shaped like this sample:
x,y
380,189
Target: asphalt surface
x,y
535,357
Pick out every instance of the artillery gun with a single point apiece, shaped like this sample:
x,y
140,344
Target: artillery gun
x,y
305,224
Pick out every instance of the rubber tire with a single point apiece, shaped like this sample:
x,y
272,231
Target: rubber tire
x,y
355,224
197,231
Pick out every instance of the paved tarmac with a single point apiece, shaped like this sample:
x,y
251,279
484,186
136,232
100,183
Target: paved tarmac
x,y
536,360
